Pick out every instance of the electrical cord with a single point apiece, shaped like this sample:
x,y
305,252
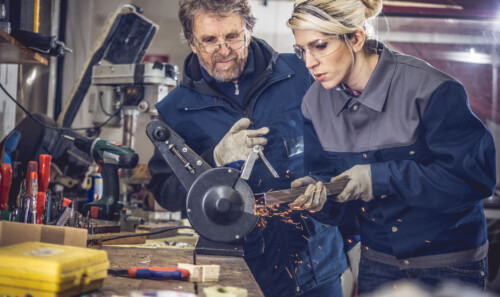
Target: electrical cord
x,y
145,234
54,127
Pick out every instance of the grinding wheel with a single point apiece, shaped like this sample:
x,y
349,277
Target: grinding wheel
x,y
220,206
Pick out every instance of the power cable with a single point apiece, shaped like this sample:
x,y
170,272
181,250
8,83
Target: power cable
x,y
55,127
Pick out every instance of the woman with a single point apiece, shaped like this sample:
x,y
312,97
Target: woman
x,y
417,160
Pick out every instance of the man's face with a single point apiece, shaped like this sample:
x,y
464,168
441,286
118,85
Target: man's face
x,y
226,63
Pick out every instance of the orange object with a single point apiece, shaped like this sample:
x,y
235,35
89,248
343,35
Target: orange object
x,y
32,167
6,172
44,172
66,202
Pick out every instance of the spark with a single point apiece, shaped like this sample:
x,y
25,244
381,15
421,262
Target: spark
x,y
428,241
288,171
305,238
276,267
289,272
295,270
349,240
367,248
287,176
400,220
260,180
363,209
320,247
373,220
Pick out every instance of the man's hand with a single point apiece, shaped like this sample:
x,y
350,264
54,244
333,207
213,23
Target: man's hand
x,y
238,142
313,198
359,185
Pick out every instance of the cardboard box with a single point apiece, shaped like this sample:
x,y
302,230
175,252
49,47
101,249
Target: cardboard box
x,y
13,233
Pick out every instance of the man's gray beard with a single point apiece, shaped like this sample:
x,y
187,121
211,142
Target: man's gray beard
x,y
234,74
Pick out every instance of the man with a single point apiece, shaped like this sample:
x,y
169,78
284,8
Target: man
x,y
237,92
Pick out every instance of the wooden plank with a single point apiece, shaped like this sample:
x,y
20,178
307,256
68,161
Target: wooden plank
x,y
233,272
13,52
126,257
96,239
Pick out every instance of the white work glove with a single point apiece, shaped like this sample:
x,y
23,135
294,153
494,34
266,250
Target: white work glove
x,y
359,185
354,255
238,142
313,198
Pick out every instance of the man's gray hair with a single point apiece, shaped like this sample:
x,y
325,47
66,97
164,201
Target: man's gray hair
x,y
188,9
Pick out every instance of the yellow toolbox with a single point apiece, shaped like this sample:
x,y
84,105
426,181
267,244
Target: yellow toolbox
x,y
50,270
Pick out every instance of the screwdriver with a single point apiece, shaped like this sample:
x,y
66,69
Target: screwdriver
x,y
17,178
43,184
156,273
6,171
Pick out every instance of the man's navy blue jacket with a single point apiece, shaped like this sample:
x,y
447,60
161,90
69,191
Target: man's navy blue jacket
x,y
294,253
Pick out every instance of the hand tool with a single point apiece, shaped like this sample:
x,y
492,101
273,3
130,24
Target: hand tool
x,y
156,273
44,172
33,194
6,180
110,157
15,189
256,152
43,184
66,213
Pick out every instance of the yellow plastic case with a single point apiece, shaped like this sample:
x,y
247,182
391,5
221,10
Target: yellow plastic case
x,y
50,270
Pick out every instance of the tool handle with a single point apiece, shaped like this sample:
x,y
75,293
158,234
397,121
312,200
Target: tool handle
x,y
32,167
40,206
158,273
44,172
17,179
6,171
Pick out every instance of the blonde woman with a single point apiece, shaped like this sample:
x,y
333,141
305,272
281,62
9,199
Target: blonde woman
x,y
418,160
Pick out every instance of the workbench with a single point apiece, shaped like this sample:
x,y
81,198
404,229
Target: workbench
x,y
233,271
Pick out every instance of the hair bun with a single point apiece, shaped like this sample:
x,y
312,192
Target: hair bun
x,y
373,7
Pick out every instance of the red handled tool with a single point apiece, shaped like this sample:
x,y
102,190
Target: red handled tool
x,y
156,273
6,172
43,184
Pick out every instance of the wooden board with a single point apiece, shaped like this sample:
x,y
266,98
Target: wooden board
x,y
233,271
13,52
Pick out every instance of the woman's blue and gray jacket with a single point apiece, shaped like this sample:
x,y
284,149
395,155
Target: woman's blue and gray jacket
x,y
295,253
432,162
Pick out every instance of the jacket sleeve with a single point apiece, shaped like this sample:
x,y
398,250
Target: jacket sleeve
x,y
461,170
316,165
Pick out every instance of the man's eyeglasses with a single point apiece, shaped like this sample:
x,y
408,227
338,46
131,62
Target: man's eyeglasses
x,y
319,48
233,42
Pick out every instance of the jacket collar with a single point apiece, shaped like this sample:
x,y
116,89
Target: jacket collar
x,y
375,93
265,59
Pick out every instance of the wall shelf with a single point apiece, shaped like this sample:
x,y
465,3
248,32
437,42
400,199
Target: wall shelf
x,y
13,52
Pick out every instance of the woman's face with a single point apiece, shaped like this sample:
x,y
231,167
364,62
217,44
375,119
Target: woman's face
x,y
328,58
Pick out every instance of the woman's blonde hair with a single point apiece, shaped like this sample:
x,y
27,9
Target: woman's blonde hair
x,y
340,17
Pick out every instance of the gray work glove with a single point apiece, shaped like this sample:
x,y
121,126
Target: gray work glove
x,y
359,185
354,255
313,198
238,142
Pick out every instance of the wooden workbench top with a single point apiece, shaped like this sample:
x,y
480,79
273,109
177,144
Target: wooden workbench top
x,y
233,271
